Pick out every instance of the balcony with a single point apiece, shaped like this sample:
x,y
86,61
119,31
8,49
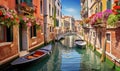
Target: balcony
x,y
25,8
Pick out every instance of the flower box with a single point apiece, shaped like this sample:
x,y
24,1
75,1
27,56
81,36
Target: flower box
x,y
117,24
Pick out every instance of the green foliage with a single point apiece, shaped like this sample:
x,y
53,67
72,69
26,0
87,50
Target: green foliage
x,y
118,16
8,17
112,19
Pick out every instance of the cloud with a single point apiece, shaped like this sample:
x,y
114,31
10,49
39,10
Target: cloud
x,y
72,10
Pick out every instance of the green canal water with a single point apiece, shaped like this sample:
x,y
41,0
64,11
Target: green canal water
x,y
67,57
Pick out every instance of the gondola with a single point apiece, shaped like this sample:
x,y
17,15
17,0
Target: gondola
x,y
33,56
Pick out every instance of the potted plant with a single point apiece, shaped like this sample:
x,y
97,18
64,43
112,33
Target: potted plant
x,y
30,20
86,20
114,18
8,17
25,9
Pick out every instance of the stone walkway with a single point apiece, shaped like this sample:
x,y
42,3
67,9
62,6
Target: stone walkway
x,y
22,53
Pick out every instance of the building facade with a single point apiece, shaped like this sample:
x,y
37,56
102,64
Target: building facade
x,y
9,41
103,37
14,40
52,16
69,23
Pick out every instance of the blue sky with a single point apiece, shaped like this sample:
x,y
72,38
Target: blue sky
x,y
71,8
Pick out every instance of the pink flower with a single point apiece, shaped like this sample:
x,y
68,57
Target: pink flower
x,y
106,14
1,13
15,11
41,23
25,19
29,24
8,14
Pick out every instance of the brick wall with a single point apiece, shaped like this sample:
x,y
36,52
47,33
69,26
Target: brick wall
x,y
115,37
39,38
10,4
9,49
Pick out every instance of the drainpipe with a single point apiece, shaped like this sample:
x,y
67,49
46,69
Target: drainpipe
x,y
45,20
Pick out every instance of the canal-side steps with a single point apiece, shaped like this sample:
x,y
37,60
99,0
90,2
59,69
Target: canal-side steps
x,y
22,53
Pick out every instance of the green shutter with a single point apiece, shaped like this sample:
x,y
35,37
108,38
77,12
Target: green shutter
x,y
108,4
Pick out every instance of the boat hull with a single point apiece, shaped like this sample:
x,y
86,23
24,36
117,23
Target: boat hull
x,y
80,44
32,57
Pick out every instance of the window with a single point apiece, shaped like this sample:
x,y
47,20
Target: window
x,y
49,9
6,34
50,29
41,7
109,4
108,37
29,2
9,34
96,10
52,12
57,23
91,0
58,12
33,31
93,34
101,6
2,33
16,1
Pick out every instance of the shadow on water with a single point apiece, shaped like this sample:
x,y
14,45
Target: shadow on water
x,y
29,67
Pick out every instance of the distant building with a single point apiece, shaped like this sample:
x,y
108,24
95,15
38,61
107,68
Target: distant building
x,y
52,12
69,23
78,25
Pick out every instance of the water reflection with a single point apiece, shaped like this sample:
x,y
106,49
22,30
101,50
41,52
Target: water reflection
x,y
67,57
69,41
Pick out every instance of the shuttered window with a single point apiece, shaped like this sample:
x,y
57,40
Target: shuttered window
x,y
109,4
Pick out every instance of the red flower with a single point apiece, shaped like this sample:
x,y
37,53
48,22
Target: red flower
x,y
116,1
17,19
92,16
12,18
116,7
115,12
1,13
6,17
3,18
23,4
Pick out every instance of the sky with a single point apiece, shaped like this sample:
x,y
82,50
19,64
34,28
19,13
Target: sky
x,y
71,8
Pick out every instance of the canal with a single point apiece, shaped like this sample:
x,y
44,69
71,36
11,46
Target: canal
x,y
67,57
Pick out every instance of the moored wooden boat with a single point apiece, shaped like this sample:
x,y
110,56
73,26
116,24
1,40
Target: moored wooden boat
x,y
80,43
33,56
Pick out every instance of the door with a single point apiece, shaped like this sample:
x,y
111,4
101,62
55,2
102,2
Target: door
x,y
23,42
100,39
